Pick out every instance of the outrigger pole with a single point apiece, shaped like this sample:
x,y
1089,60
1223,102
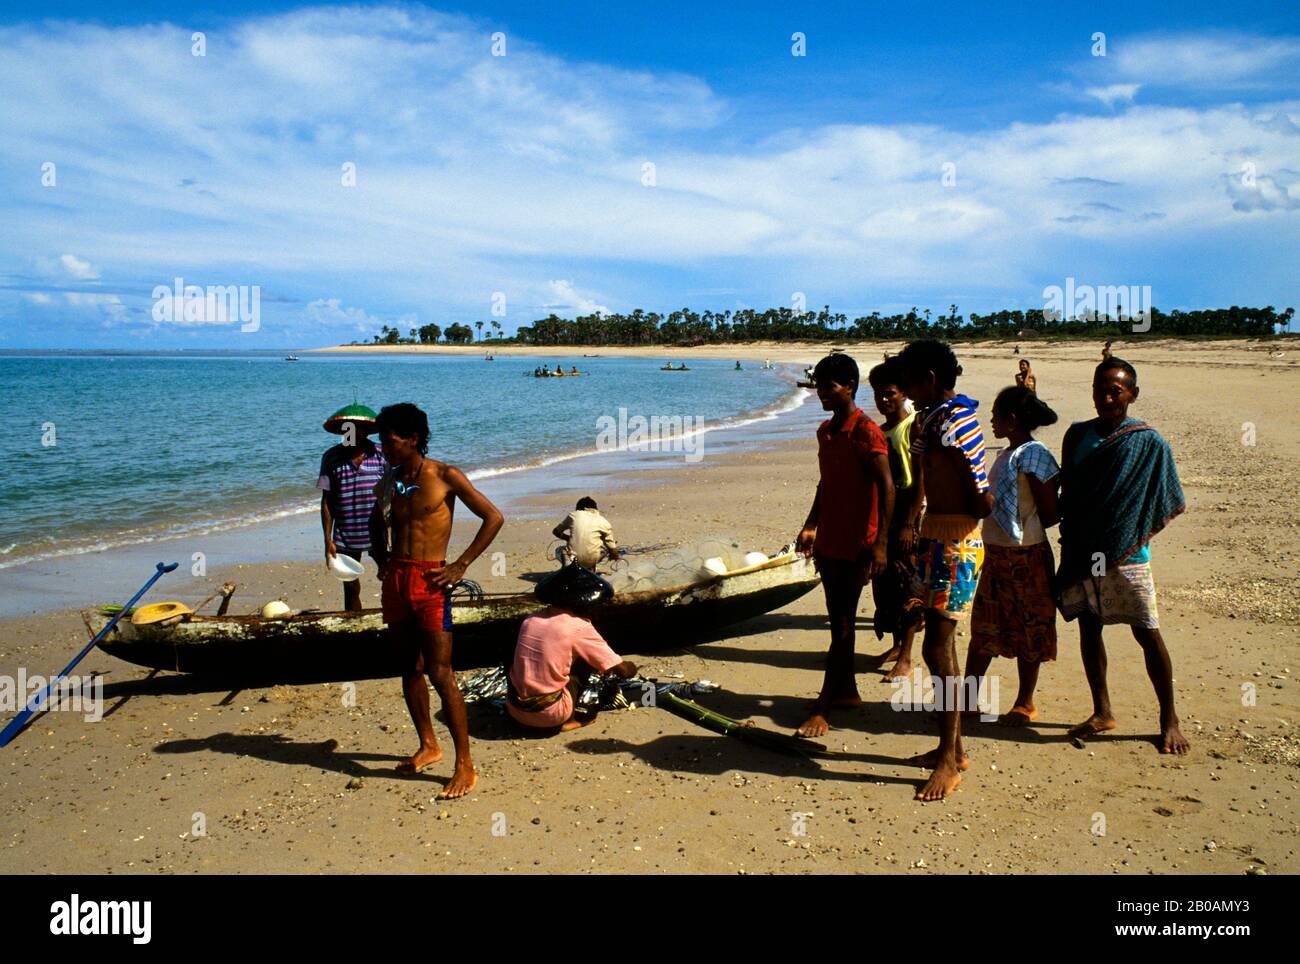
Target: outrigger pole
x,y
38,700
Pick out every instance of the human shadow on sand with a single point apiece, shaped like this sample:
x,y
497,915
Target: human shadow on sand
x,y
709,755
321,755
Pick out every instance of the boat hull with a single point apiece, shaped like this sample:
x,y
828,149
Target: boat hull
x,y
328,647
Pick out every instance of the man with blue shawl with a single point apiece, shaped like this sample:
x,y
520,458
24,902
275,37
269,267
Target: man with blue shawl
x,y
1119,487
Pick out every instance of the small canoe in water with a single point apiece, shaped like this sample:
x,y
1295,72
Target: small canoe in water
x,y
335,646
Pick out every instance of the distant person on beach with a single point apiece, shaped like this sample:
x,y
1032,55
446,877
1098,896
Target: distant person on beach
x,y
588,536
557,650
348,475
948,463
1014,614
847,529
1119,487
1105,351
891,589
417,500
1025,376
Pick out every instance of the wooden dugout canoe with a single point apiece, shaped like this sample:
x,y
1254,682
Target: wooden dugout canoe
x,y
336,646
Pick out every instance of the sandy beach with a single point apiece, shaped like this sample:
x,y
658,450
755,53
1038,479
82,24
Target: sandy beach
x,y
290,779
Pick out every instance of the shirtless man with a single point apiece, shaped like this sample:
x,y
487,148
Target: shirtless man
x,y
417,499
948,469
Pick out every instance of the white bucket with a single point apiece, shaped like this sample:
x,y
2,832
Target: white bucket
x,y
345,568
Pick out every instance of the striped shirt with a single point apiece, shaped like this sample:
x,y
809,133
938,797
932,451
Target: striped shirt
x,y
350,489
954,422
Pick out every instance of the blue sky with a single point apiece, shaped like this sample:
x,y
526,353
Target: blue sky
x,y
633,155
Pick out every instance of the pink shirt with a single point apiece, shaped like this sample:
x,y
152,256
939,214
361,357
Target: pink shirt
x,y
547,647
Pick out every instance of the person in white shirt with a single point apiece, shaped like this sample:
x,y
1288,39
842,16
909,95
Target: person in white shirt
x,y
1014,612
588,536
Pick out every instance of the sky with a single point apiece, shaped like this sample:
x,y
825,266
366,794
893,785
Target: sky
x,y
348,167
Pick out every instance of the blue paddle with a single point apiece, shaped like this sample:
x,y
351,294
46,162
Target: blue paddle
x,y
34,705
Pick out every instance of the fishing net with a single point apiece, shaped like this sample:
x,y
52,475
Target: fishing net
x,y
684,565
609,692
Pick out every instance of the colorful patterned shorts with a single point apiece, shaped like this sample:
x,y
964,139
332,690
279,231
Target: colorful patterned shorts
x,y
947,572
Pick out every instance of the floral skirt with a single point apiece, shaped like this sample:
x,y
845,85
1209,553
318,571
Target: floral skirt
x,y
1014,613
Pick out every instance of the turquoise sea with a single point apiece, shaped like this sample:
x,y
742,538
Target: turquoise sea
x,y
124,449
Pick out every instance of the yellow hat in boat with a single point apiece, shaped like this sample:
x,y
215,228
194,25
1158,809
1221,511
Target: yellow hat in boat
x,y
158,612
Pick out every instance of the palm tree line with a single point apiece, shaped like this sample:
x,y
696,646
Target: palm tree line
x,y
686,327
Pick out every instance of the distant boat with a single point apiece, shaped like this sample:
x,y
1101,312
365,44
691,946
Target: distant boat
x,y
291,358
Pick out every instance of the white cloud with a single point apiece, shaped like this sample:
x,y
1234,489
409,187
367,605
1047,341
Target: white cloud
x,y
78,268
1207,61
1261,193
1113,94
108,306
331,313
566,298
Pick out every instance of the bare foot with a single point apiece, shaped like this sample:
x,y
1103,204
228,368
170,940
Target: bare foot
x,y
425,757
1019,716
1173,741
1093,725
902,670
930,761
573,723
943,781
884,658
816,725
462,782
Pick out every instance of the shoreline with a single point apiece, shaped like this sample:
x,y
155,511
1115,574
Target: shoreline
x,y
293,533
274,514
1217,351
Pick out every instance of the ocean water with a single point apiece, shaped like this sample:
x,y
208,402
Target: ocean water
x,y
109,451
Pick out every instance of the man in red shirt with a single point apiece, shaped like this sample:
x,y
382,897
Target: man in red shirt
x,y
847,530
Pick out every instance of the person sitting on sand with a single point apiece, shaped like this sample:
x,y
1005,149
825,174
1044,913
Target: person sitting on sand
x,y
1014,613
847,529
1119,487
417,500
948,462
348,474
588,536
557,650
1025,376
891,588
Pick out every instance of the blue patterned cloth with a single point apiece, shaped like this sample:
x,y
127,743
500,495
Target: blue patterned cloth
x,y
1033,458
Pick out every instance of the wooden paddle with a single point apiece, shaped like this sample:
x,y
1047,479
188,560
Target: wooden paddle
x,y
38,700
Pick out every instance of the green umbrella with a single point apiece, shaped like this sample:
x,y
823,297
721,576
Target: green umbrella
x,y
359,415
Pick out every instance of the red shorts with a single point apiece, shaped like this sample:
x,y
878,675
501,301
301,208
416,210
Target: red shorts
x,y
408,597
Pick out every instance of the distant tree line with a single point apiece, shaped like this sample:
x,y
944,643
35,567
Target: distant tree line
x,y
685,327
453,334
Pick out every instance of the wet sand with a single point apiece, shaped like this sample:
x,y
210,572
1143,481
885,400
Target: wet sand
x,y
289,779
